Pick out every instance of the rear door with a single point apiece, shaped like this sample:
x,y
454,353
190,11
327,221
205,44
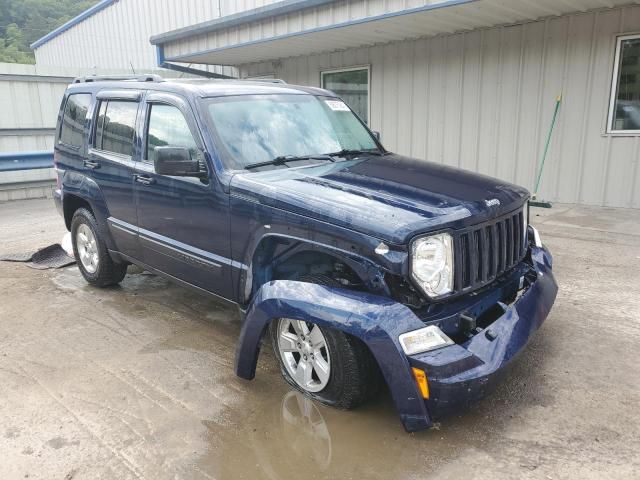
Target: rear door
x,y
184,223
114,148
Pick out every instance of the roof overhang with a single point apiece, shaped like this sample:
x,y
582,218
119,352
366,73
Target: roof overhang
x,y
257,35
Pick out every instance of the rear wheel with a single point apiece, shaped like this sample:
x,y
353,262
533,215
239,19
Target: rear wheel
x,y
325,364
95,263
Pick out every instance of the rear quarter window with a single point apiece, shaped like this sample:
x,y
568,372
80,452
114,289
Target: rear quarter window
x,y
73,119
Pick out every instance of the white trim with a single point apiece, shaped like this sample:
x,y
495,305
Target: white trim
x,y
351,69
613,92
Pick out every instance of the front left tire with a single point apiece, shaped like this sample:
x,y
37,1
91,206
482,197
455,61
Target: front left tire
x,y
95,264
325,364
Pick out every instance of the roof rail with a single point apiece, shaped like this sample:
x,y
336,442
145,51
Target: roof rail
x,y
265,80
148,77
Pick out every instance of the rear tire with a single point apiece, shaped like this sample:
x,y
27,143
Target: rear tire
x,y
93,259
353,375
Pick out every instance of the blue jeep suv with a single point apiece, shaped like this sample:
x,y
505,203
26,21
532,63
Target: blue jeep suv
x,y
361,266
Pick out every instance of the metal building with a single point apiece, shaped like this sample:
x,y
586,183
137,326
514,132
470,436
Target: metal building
x,y
471,83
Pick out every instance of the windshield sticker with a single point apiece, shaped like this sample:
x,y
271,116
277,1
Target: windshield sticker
x,y
337,105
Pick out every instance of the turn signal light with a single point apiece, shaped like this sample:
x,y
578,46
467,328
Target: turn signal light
x,y
421,381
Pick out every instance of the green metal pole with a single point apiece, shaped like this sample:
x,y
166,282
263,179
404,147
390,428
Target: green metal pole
x,y
546,146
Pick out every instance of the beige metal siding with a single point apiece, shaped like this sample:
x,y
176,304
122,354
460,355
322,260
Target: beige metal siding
x,y
26,143
29,102
118,36
483,100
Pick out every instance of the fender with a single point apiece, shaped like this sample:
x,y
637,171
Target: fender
x,y
375,320
84,187
286,246
253,223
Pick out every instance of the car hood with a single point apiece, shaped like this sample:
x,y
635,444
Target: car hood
x,y
390,197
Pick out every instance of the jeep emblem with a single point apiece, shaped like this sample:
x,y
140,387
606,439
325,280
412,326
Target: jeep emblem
x,y
492,202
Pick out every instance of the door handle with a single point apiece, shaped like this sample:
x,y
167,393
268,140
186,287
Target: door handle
x,y
144,179
92,164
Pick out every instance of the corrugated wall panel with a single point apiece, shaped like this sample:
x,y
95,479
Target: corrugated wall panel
x,y
30,98
25,143
484,99
470,99
118,36
29,104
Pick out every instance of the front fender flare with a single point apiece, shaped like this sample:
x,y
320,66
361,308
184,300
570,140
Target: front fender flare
x,y
375,320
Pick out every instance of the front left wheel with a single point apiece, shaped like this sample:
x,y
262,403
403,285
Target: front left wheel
x,y
325,364
93,259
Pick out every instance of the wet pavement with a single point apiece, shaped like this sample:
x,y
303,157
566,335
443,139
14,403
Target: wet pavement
x,y
137,381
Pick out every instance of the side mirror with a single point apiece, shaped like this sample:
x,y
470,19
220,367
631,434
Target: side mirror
x,y
175,161
377,135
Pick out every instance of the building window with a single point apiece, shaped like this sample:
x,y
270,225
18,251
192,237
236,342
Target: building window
x,y
624,111
75,113
352,85
116,126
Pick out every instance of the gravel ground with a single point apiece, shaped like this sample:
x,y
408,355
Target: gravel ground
x,y
137,381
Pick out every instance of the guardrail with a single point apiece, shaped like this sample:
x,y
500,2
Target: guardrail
x,y
12,162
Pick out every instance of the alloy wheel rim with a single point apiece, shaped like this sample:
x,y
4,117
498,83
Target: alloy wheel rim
x,y
304,353
87,248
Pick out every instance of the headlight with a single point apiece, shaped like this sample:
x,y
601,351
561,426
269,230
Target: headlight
x,y
432,264
423,340
536,237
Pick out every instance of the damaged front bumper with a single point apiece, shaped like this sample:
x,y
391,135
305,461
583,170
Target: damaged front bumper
x,y
457,374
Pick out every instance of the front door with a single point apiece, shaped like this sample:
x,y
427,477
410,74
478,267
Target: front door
x,y
183,221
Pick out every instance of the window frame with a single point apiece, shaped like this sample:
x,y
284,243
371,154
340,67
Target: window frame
x,y
351,69
97,125
613,92
144,157
226,157
155,97
84,126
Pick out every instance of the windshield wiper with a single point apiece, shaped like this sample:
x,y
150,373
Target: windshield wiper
x,y
283,159
350,152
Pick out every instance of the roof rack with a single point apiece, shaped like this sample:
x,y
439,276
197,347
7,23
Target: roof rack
x,y
264,80
149,77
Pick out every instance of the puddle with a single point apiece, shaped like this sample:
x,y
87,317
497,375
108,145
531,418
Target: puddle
x,y
291,436
69,280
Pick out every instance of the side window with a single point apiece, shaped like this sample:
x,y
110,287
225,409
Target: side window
x,y
624,111
168,127
75,113
116,126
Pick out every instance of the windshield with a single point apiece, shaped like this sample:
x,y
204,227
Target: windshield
x,y
260,128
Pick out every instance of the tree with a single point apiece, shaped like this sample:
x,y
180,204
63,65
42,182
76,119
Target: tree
x,y
22,22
